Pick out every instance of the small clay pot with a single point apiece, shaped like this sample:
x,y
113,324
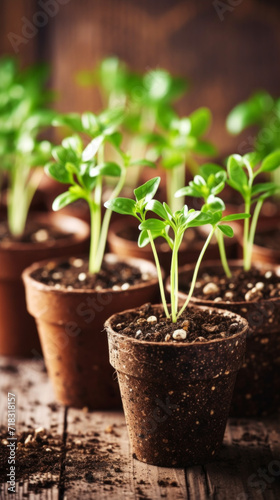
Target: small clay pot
x,y
257,389
120,245
18,332
70,325
176,396
263,253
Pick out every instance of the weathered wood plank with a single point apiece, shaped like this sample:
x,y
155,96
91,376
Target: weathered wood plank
x,y
35,408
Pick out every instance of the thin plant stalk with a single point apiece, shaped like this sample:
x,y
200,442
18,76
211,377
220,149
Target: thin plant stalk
x,y
106,222
221,244
160,280
252,232
175,179
196,271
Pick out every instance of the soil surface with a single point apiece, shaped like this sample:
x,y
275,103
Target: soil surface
x,y
269,239
150,324
34,233
73,274
249,286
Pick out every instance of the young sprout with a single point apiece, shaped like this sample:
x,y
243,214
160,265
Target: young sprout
x,y
263,111
86,171
146,100
206,185
242,173
161,224
22,118
177,145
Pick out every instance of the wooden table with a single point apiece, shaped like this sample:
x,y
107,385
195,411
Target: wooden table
x,y
248,466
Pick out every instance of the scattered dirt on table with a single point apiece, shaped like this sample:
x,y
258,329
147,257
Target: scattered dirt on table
x,y
73,274
149,323
249,286
33,233
86,457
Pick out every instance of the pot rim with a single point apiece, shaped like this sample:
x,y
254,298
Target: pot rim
x,y
223,312
140,263
217,263
80,231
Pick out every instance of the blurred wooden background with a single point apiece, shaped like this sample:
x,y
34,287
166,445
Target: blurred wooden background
x,y
226,48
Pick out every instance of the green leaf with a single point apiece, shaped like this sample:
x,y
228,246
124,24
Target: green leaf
x,y
58,172
227,230
74,143
211,168
115,139
108,168
143,239
249,112
153,225
200,121
236,173
204,148
124,206
232,217
147,190
215,204
271,162
63,200
157,207
201,219
143,163
92,148
264,186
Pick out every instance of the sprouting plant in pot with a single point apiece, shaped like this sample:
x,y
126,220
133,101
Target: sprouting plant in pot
x,y
177,145
243,171
250,289
23,117
85,170
261,111
207,184
159,351
176,222
146,99
77,295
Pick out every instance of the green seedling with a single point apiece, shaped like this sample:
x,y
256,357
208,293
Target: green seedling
x,y
207,184
146,99
242,173
176,146
23,116
171,226
262,111
85,171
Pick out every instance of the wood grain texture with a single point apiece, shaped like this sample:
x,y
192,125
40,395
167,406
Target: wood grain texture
x,y
96,461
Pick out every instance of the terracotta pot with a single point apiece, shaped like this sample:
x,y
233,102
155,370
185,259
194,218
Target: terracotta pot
x,y
18,333
257,390
176,397
263,253
120,245
70,324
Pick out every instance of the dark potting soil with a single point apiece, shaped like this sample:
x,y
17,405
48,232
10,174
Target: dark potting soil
x,y
149,323
250,286
269,239
33,233
73,274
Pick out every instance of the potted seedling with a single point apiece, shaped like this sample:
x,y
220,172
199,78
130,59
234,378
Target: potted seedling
x,y
176,376
259,116
25,237
71,298
250,289
175,147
